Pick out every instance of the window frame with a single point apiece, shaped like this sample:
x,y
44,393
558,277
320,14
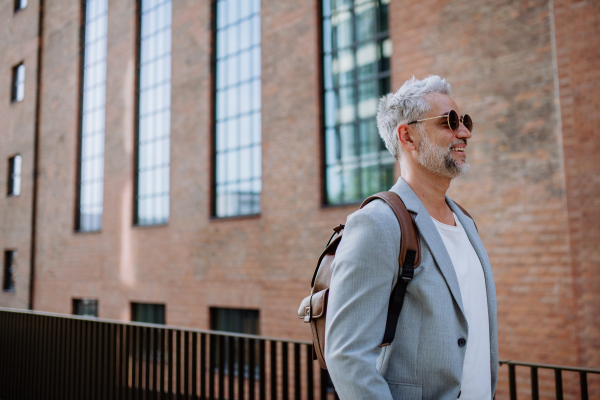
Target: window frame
x,y
9,285
135,304
10,192
77,227
16,83
82,302
136,123
214,171
19,5
378,77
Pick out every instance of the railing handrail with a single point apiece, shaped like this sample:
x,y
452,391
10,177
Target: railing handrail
x,y
149,325
550,366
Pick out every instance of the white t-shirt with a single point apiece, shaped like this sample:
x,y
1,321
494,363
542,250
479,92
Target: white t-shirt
x,y
476,377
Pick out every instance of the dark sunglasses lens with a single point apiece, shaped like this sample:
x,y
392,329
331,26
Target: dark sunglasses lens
x,y
468,122
453,120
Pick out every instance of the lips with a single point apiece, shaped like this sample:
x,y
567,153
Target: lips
x,y
461,149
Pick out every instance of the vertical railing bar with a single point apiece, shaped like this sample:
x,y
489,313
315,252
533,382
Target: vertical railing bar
x,y
163,358
155,363
203,366
94,360
48,355
186,364
583,385
178,364
141,363
211,366
64,361
136,378
241,376
309,373
251,369
194,365
23,352
18,364
124,370
323,384
221,367
297,372
285,376
112,361
262,385
273,359
78,362
147,362
102,354
230,352
70,365
3,342
12,317
534,384
558,383
171,363
130,361
512,382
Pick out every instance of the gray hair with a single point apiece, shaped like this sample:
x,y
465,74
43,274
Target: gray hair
x,y
408,104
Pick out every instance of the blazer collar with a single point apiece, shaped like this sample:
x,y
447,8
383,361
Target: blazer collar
x,y
431,237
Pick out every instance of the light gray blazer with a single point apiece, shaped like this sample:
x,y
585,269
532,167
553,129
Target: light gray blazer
x,y
424,361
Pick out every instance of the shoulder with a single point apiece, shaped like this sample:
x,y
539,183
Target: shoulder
x,y
376,218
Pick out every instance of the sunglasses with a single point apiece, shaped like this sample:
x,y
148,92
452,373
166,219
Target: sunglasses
x,y
453,120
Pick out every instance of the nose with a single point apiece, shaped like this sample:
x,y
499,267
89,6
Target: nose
x,y
463,132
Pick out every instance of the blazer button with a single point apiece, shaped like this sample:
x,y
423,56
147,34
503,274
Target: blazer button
x,y
462,342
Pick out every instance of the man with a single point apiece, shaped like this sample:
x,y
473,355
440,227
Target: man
x,y
446,343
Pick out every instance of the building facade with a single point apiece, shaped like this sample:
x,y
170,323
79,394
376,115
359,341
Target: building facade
x,y
186,158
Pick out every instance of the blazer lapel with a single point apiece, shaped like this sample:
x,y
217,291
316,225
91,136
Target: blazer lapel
x,y
432,238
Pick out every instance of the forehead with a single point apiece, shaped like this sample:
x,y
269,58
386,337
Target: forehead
x,y
441,104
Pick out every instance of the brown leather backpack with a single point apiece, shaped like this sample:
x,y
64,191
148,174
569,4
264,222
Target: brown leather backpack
x,y
313,308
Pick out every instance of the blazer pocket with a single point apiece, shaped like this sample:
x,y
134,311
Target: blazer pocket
x,y
406,391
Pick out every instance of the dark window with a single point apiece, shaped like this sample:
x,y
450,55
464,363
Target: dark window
x,y
356,73
237,321
234,320
237,149
17,87
14,176
93,93
154,113
85,307
10,264
20,4
146,312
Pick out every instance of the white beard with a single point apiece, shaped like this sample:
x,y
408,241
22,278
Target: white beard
x,y
439,160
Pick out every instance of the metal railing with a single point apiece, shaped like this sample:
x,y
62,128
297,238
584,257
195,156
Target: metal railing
x,y
56,356
558,383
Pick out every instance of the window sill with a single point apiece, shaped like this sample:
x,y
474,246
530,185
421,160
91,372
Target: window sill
x,y
136,226
214,218
78,232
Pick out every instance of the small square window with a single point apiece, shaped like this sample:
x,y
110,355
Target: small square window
x,y
20,4
17,87
146,312
14,176
85,307
10,260
234,320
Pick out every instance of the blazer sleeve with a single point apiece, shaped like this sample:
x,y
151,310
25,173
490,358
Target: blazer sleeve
x,y
364,273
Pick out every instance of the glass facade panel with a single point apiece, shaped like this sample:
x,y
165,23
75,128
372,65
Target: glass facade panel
x,y
356,71
14,176
17,91
154,118
238,109
10,261
91,167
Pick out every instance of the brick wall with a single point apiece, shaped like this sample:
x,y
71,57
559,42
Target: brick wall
x,y
526,74
18,43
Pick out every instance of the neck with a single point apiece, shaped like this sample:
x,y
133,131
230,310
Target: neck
x,y
430,189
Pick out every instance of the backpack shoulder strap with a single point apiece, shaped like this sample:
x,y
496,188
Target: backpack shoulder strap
x,y
408,260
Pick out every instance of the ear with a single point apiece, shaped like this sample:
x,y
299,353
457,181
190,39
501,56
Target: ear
x,y
405,136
